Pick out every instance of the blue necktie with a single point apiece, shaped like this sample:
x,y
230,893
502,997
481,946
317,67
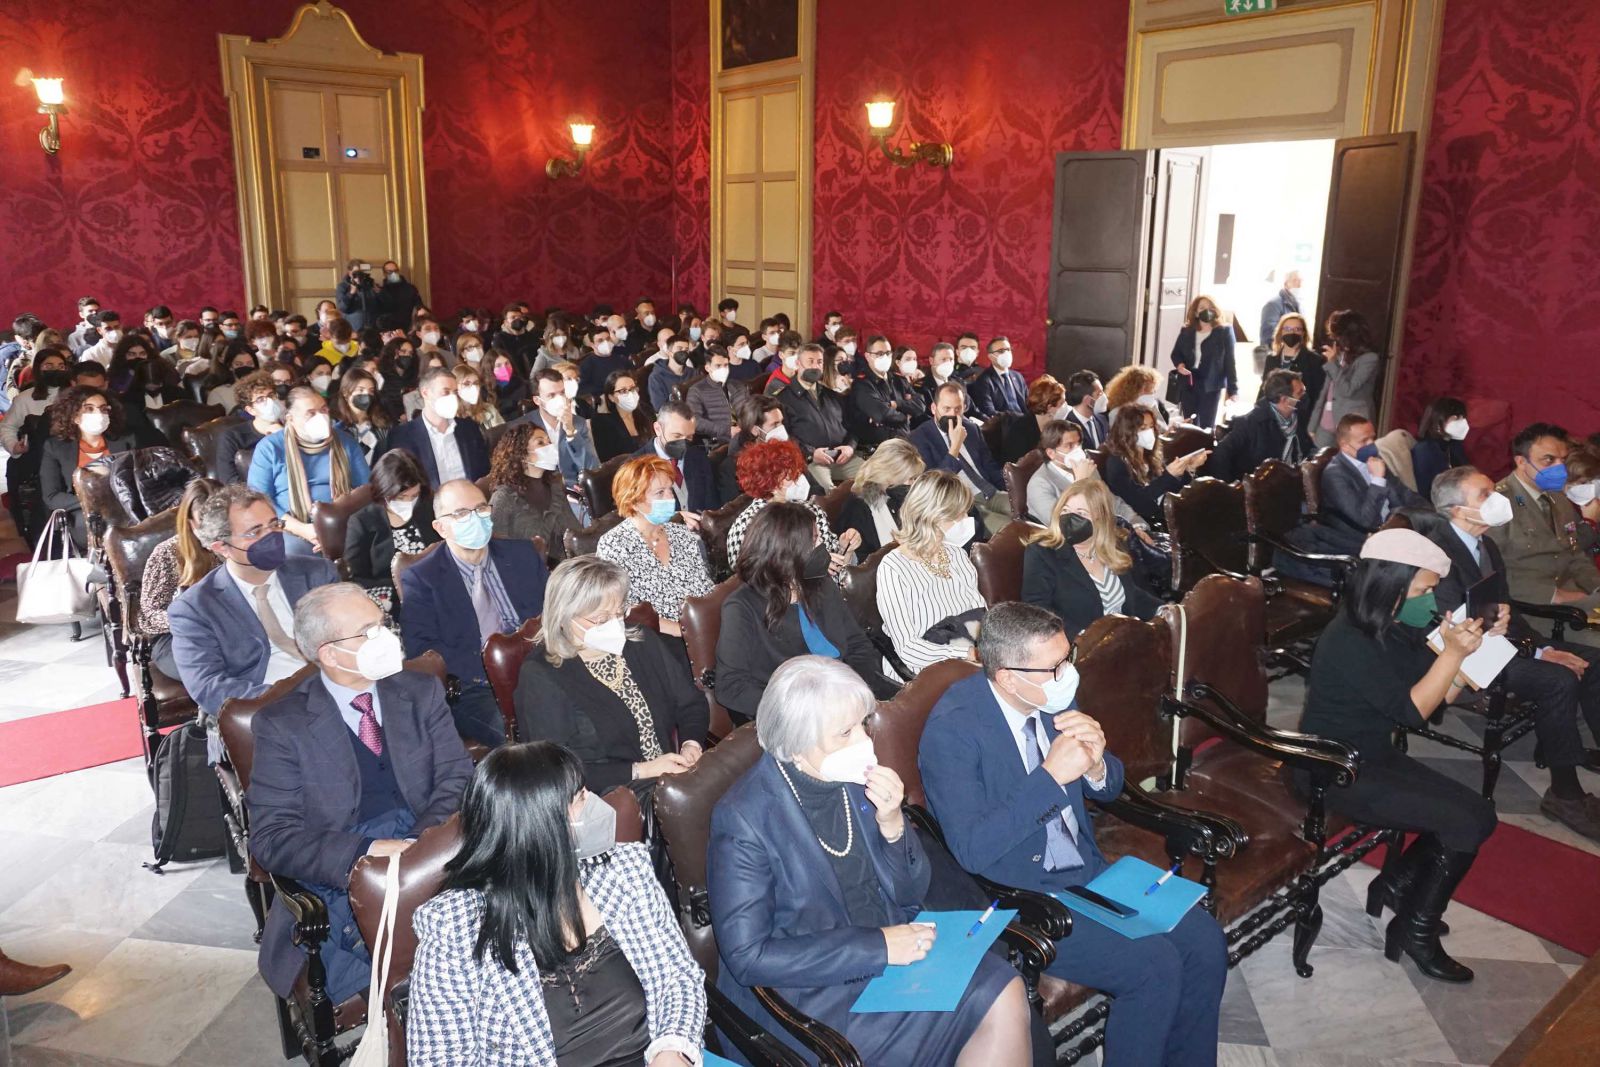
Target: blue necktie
x,y
1060,849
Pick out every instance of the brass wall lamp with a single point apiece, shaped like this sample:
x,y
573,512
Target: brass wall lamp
x,y
582,138
52,102
880,116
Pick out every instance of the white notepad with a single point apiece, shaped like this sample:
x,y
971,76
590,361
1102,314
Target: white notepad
x,y
1483,666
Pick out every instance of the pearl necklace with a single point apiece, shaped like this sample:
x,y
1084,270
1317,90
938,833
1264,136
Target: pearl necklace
x,y
849,823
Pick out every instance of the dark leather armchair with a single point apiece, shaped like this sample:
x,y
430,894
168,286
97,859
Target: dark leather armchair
x,y
162,701
1017,476
1311,479
1274,504
714,526
701,623
596,484
832,502
998,562
584,542
503,655
241,461
1181,440
860,590
994,431
174,418
332,518
202,443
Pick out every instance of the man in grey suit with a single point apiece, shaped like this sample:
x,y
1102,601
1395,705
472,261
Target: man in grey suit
x,y
356,761
230,630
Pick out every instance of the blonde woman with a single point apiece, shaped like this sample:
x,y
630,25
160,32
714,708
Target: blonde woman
x,y
476,396
1291,350
872,509
1077,566
928,583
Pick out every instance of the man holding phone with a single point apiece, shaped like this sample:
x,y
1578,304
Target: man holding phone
x,y
815,418
357,296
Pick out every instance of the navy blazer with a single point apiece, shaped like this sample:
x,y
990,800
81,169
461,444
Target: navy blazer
x,y
995,390
438,609
412,435
776,903
1102,427
217,640
1216,368
935,451
699,480
305,789
993,815
1350,507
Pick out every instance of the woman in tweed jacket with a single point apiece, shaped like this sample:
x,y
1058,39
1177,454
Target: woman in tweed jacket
x,y
550,941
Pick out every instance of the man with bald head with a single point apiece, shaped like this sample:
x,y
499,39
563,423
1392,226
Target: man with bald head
x,y
465,591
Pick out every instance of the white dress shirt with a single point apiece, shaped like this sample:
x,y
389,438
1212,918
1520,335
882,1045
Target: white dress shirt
x,y
1016,722
342,697
282,664
446,452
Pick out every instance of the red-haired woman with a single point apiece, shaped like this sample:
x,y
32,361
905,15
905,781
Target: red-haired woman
x,y
665,560
774,472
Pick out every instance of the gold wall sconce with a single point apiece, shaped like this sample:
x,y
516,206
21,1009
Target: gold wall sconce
x,y
880,116
51,102
582,138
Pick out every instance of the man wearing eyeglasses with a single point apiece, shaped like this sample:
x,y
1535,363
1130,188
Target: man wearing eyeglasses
x,y
459,596
999,390
230,630
357,760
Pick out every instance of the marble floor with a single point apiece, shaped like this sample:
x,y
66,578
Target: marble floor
x,y
164,967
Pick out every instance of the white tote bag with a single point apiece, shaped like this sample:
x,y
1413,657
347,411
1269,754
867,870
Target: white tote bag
x,y
55,589
374,1048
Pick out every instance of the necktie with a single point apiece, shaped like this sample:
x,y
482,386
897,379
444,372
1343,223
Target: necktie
x,y
483,603
1061,835
985,488
1544,509
269,621
370,732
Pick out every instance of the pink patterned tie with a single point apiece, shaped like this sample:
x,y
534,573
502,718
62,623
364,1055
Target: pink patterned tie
x,y
371,733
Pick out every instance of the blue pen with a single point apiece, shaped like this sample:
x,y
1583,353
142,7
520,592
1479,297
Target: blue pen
x,y
1159,882
993,904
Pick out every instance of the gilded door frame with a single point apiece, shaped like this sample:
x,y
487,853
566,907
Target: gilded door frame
x,y
321,47
801,69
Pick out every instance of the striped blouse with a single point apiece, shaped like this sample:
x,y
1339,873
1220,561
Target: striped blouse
x,y
912,598
1109,586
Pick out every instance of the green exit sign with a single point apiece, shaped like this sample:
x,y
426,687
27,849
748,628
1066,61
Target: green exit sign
x,y
1247,7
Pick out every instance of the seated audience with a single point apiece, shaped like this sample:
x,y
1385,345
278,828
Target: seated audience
x,y
527,495
626,424
1136,386
1064,463
618,696
1350,381
756,417
1270,430
1583,489
694,483
338,341
711,399
1135,469
1008,768
308,461
1544,563
1203,355
997,389
477,397
448,444
771,472
927,588
510,387
1439,442
1356,496
952,441
881,405
816,422
173,566
543,910
605,358
399,519
86,424
459,595
1373,671
556,412
1078,567
1046,401
357,761
872,510
231,629
1291,350
786,607
670,372
814,923
665,560
554,347
358,412
1086,406
468,345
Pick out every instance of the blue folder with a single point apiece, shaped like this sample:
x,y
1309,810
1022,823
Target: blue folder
x,y
711,1059
1125,882
938,980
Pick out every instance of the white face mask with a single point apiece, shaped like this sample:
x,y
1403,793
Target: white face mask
x,y
95,423
728,316
772,340
741,353
112,336
961,532
882,363
942,371
320,382
547,457
797,491
1058,693
570,387
848,348
431,337
602,348
189,344
968,356
1001,360
1495,510
849,764
469,325
831,329
908,367
1148,400
403,509
620,332
718,374
608,637
1100,404
778,433
790,363
316,429
1456,429
649,320
1076,456
1582,493
269,409
628,401
1146,439
379,657
447,406
469,394
554,406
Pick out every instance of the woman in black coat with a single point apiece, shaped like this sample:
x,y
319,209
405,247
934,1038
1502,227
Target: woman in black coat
x,y
1077,566
872,509
627,421
619,697
85,425
1203,355
1439,436
786,607
1135,471
399,519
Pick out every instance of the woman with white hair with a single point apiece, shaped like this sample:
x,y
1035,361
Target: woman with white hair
x,y
814,879
927,587
616,695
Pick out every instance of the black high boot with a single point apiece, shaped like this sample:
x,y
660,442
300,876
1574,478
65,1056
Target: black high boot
x,y
1389,892
1415,931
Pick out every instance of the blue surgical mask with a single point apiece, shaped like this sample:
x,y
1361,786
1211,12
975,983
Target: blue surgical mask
x,y
694,333
662,510
1060,692
1552,479
474,531
268,552
1366,452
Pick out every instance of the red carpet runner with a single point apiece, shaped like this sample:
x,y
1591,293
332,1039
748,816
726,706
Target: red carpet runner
x,y
46,745
1534,883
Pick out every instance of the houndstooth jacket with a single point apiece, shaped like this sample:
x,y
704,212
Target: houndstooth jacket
x,y
465,1012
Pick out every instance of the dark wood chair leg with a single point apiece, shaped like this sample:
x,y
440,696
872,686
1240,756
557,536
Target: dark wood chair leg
x,y
1493,741
1307,925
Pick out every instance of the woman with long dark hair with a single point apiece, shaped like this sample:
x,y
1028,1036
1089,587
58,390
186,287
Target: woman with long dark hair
x,y
85,425
399,519
1351,384
397,375
1373,671
1444,426
358,408
527,495
142,380
1136,471
786,607
628,420
174,565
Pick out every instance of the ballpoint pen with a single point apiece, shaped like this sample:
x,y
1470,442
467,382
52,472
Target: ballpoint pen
x,y
1159,882
993,904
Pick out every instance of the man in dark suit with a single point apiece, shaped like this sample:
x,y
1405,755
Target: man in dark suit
x,y
1271,430
1084,395
1562,680
881,404
950,441
231,629
815,418
696,483
463,593
1007,769
356,761
1357,494
448,447
998,389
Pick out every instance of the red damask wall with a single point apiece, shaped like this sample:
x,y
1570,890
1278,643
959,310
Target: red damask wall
x,y
691,152
925,253
141,201
1504,306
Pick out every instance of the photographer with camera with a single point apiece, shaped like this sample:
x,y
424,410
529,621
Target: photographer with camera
x,y
357,296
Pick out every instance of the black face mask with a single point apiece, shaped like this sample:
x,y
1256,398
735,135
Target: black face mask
x,y
53,379
844,366
242,370
405,363
675,450
283,390
1292,340
519,325
361,401
1207,316
811,376
1076,528
679,359
896,495
816,563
